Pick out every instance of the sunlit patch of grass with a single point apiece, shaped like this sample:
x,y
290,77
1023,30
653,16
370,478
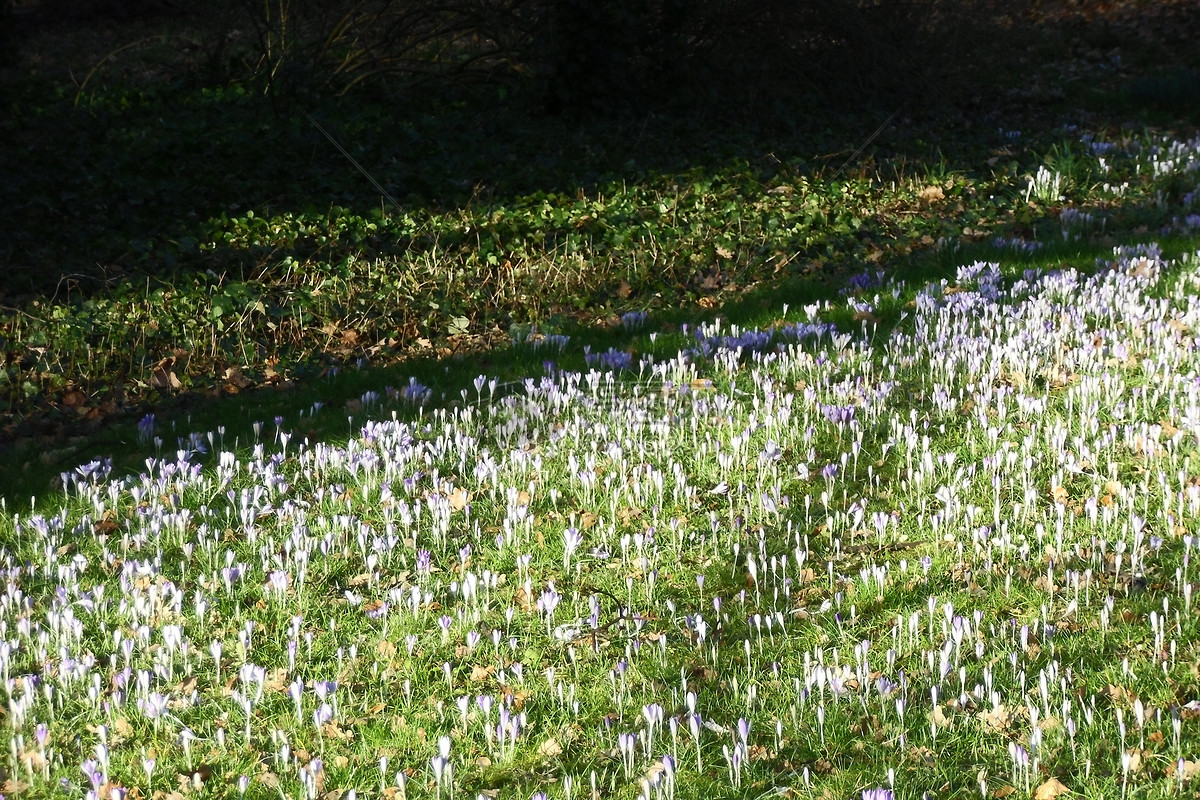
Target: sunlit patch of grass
x,y
899,540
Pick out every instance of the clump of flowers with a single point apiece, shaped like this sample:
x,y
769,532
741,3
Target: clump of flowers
x,y
611,359
1044,186
633,320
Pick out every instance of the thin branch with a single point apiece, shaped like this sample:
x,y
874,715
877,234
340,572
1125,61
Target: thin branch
x,y
352,160
867,143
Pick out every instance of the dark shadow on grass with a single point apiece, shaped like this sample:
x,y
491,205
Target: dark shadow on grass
x,y
121,177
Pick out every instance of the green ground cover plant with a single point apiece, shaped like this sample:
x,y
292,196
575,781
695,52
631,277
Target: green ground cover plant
x,y
834,460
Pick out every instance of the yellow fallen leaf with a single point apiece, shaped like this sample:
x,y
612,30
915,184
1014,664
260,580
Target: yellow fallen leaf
x,y
1050,790
277,680
120,729
996,719
938,717
459,499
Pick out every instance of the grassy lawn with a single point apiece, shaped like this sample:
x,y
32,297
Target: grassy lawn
x,y
816,459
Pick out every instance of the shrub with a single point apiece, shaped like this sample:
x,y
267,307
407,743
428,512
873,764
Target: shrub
x,y
599,55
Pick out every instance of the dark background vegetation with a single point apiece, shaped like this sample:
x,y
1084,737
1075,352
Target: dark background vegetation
x,y
448,99
147,144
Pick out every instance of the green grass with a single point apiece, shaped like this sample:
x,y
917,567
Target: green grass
x,y
1001,580
946,551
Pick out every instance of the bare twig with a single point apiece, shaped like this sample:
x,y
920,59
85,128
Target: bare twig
x,y
867,143
352,160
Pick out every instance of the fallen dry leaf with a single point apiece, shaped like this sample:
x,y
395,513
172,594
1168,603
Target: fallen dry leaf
x,y
334,730
932,194
515,696
938,717
459,499
1189,769
234,377
1050,790
162,378
277,680
996,719
922,755
524,600
1119,694
120,729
